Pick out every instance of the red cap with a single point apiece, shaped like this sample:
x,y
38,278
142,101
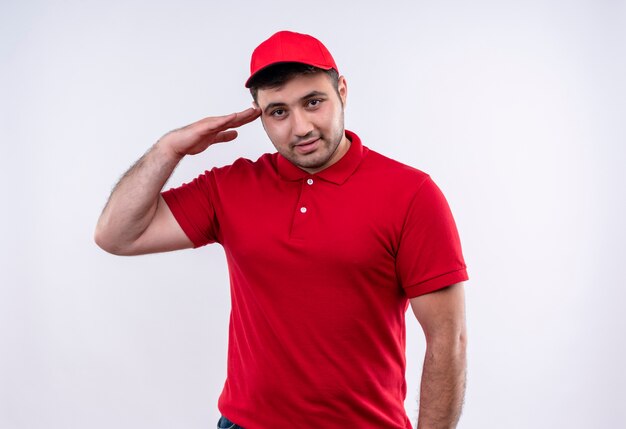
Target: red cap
x,y
290,47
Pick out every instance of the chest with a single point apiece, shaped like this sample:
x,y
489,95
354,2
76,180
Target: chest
x,y
350,225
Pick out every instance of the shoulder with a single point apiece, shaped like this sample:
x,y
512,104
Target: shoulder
x,y
246,168
393,172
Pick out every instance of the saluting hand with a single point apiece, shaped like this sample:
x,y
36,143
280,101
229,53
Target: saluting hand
x,y
198,136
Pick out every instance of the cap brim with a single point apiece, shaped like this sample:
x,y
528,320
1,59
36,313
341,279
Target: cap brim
x,y
323,67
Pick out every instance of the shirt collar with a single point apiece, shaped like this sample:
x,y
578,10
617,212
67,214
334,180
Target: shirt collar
x,y
337,173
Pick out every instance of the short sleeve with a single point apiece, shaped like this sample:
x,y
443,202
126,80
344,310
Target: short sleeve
x,y
192,204
429,254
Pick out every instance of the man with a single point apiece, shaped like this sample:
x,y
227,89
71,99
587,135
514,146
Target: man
x,y
326,241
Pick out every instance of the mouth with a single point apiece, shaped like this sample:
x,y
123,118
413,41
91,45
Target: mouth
x,y
307,146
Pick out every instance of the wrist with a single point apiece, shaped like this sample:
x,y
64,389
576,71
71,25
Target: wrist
x,y
165,150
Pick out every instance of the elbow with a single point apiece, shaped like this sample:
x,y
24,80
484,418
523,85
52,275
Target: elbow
x,y
453,342
460,340
101,240
462,343
107,243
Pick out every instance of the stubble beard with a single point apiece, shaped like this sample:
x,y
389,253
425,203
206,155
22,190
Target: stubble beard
x,y
328,149
320,157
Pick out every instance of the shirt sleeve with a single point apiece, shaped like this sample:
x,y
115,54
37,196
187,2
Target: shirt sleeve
x,y
429,255
192,204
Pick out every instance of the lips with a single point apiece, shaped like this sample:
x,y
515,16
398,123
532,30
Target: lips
x,y
307,146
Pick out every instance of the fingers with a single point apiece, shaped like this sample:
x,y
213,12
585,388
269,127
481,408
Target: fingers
x,y
216,124
225,136
234,120
244,117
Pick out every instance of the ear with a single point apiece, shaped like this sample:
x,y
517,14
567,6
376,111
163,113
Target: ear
x,y
342,88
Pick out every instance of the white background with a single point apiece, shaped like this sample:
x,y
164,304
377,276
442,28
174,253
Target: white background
x,y
516,109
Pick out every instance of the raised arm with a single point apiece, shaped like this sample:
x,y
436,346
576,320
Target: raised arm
x,y
136,220
442,317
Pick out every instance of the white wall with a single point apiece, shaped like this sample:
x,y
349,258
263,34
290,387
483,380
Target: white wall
x,y
516,109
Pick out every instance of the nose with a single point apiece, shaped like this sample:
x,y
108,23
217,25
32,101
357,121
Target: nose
x,y
301,124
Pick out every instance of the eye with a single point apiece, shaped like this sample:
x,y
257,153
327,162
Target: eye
x,y
277,113
314,102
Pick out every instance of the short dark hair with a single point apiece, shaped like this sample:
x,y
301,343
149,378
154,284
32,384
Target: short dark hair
x,y
279,74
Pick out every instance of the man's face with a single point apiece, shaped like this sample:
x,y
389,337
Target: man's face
x,y
304,120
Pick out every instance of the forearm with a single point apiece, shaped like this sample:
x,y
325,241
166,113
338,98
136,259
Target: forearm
x,y
443,384
133,201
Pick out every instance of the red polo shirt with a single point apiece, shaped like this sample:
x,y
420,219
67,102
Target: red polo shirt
x,y
321,267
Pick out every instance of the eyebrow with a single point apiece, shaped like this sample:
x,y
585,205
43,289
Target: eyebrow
x,y
306,97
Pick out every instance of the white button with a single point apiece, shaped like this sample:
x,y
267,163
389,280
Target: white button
x,y
309,181
302,209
